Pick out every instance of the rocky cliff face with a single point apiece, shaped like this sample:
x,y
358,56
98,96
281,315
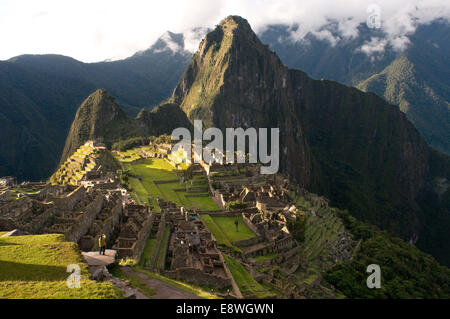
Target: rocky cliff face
x,y
235,81
351,146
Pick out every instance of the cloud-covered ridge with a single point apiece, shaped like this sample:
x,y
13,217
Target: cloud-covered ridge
x,y
97,30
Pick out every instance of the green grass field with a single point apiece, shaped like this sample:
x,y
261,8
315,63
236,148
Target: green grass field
x,y
248,286
157,170
160,257
228,227
148,252
35,267
224,230
266,257
220,236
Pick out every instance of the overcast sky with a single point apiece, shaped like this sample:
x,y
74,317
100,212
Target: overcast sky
x,y
92,31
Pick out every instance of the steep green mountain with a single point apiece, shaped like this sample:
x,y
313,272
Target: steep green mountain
x,y
400,84
34,110
39,95
351,146
406,272
100,118
416,79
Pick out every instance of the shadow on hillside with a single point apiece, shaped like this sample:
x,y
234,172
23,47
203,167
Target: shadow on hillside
x,y
13,271
5,243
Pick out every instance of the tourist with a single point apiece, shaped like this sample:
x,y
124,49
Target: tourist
x,y
102,244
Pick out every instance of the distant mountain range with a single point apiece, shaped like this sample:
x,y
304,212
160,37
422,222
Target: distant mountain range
x,y
353,147
39,95
416,79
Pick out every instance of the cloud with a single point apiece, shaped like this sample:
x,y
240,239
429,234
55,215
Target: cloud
x,y
170,44
192,38
375,46
97,30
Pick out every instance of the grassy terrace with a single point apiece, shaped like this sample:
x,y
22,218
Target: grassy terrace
x,y
154,171
266,257
35,267
148,252
162,249
320,233
248,286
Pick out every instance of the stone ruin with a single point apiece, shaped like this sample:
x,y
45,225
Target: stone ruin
x,y
134,230
8,181
193,253
81,214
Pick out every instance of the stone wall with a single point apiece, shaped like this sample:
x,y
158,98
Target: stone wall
x,y
5,196
16,207
68,202
250,224
110,223
196,276
41,221
81,227
248,242
144,233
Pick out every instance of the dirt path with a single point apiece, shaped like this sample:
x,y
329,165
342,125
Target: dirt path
x,y
163,290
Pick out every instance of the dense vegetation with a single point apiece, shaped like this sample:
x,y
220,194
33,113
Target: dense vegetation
x,y
406,272
124,145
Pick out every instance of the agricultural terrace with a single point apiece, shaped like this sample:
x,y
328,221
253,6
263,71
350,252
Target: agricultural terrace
x,y
133,154
151,178
248,286
35,267
73,169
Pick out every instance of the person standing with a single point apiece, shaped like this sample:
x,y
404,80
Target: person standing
x,y
102,244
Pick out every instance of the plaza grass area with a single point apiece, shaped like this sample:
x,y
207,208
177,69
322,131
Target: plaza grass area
x,y
248,286
228,227
158,179
224,230
35,266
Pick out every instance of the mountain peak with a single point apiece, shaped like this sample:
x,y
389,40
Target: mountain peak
x,y
235,21
95,113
